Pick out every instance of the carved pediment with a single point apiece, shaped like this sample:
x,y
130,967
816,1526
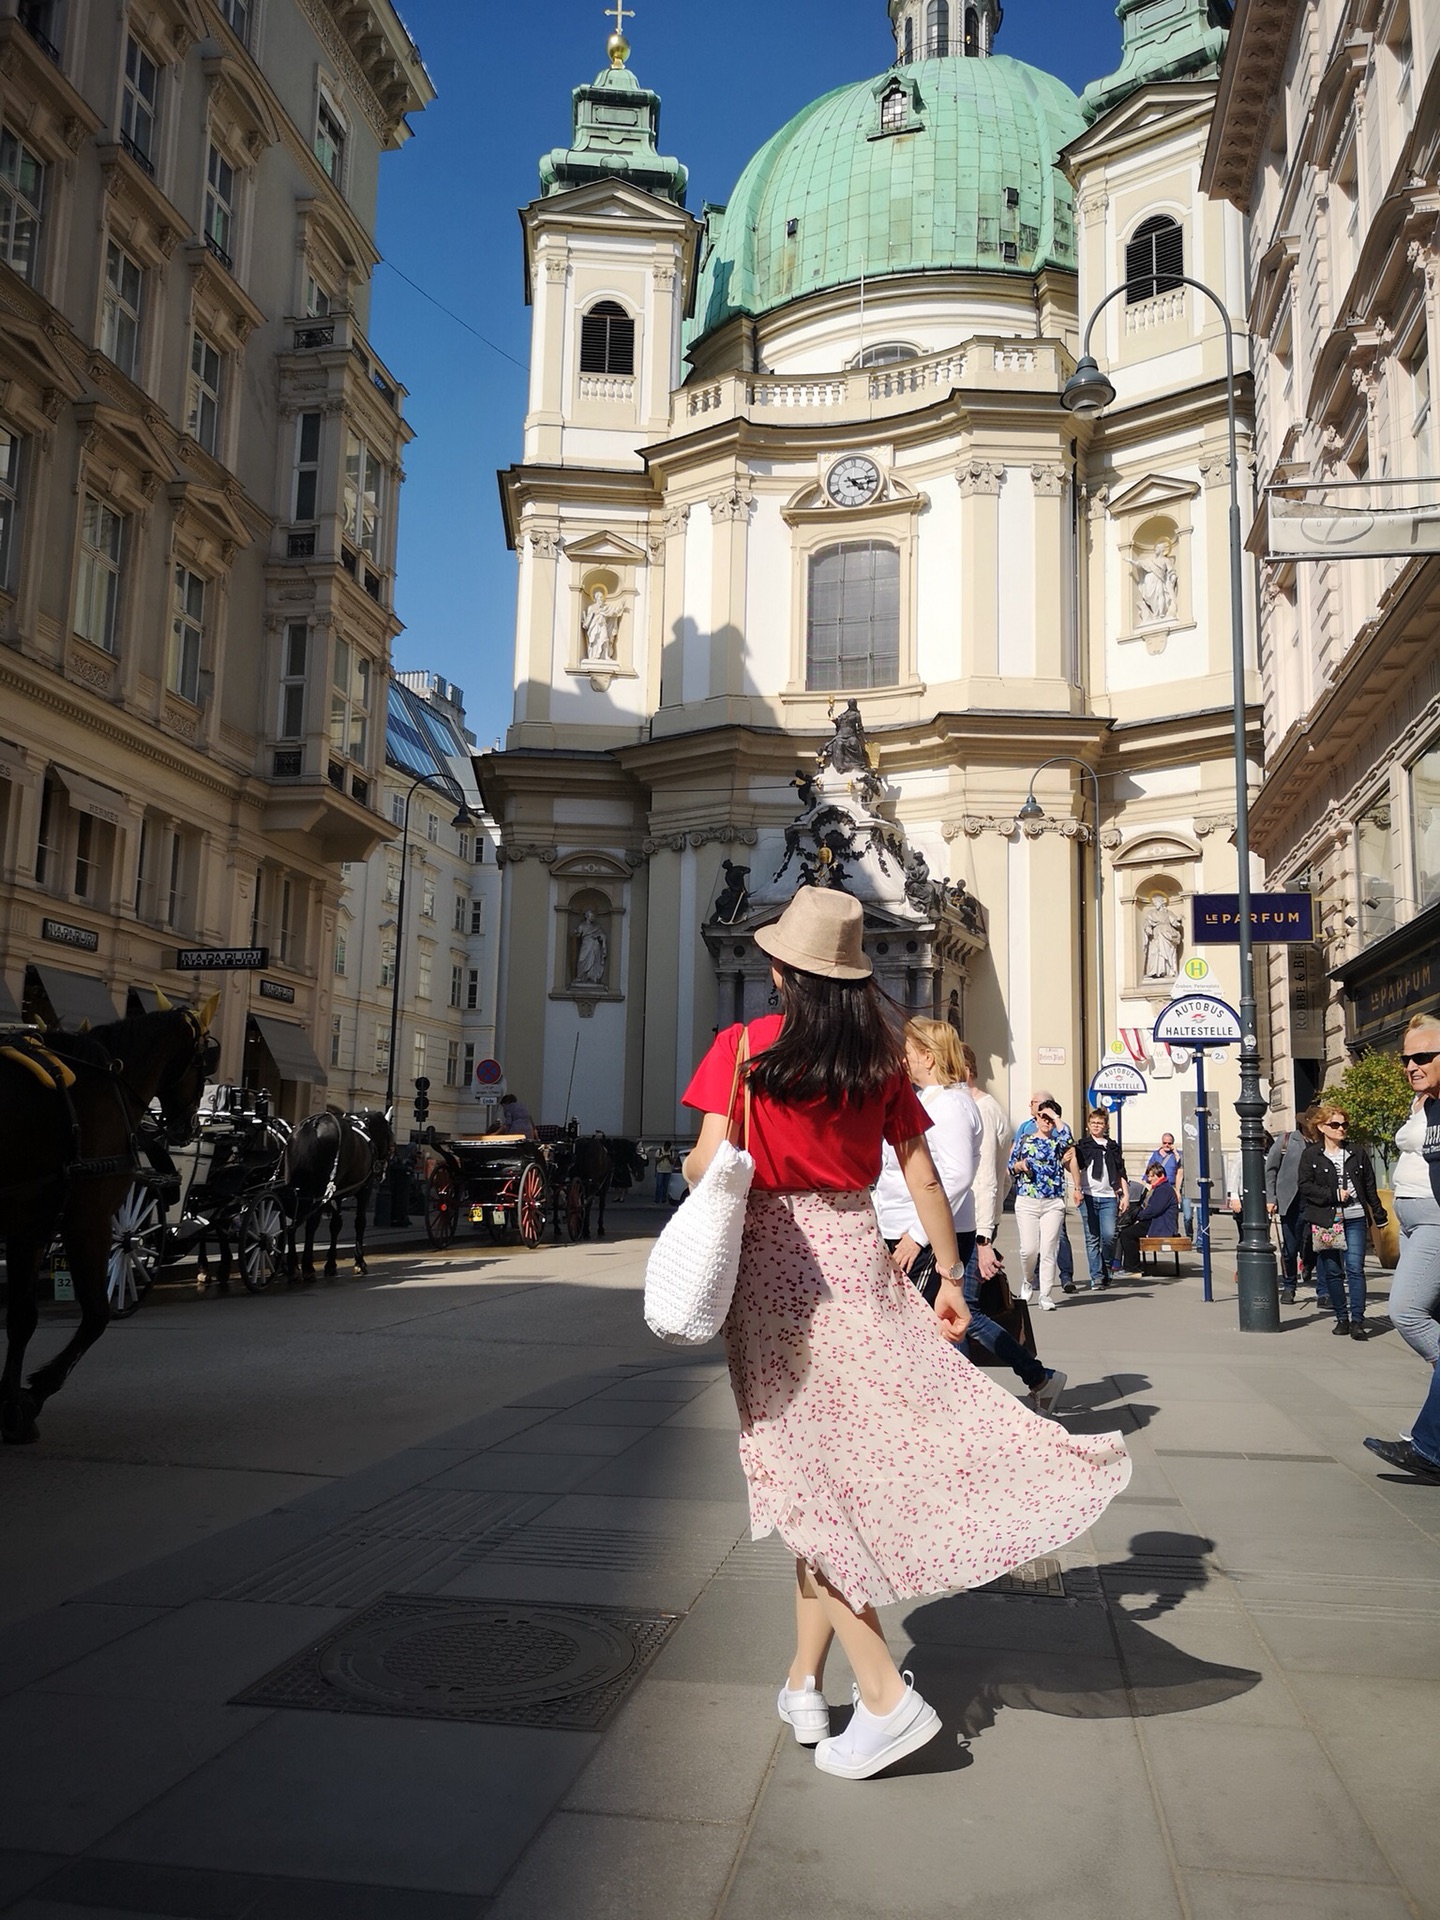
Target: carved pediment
x,y
596,549
1160,849
1154,492
590,863
239,115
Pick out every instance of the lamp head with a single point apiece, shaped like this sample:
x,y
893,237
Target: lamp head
x,y
463,818
1088,391
1032,810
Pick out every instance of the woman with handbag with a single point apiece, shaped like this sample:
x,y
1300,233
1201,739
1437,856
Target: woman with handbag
x,y
889,1465
1338,1194
938,1074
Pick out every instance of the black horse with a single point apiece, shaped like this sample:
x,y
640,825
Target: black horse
x,y
593,1165
70,1155
331,1156
627,1166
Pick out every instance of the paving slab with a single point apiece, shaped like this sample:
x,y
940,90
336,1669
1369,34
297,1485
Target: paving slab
x,y
599,1867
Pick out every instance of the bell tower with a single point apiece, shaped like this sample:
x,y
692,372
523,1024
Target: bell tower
x,y
610,265
940,29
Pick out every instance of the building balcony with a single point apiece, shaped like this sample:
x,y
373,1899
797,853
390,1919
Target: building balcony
x,y
338,333
876,393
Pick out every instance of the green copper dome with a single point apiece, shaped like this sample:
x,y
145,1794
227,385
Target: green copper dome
x,y
941,165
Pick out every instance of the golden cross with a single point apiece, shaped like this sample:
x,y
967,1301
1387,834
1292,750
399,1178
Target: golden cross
x,y
621,13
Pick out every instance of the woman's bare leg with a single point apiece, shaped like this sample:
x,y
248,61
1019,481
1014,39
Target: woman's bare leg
x,y
813,1632
860,1634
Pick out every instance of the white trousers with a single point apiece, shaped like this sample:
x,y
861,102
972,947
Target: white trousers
x,y
1039,1223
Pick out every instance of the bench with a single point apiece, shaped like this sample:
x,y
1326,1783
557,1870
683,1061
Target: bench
x,y
1171,1243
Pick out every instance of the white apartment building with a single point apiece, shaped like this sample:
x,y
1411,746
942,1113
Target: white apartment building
x,y
446,953
1326,135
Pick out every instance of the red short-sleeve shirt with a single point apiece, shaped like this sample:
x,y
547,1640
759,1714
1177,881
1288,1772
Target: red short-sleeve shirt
x,y
810,1146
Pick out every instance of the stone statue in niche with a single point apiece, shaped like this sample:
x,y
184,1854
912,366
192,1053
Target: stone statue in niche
x,y
846,751
730,903
1163,934
601,622
591,950
1157,585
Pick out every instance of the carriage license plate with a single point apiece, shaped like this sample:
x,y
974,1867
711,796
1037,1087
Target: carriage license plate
x,y
477,1214
497,1216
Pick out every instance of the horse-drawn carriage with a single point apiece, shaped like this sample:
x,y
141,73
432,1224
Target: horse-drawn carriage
x,y
513,1185
224,1185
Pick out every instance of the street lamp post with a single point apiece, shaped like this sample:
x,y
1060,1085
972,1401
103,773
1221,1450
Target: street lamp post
x,y
1032,810
463,818
1088,392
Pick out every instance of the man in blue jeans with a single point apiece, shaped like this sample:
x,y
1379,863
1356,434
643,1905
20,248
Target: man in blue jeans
x,y
1420,1454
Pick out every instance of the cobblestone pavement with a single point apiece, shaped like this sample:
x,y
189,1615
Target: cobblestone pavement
x,y
549,1651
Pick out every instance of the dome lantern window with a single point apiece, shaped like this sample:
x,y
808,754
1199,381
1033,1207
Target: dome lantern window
x,y
607,339
937,30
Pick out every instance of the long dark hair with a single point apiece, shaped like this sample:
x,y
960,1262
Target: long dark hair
x,y
838,1042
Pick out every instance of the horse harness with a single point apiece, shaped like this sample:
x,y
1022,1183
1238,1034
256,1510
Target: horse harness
x,y
356,1127
26,1048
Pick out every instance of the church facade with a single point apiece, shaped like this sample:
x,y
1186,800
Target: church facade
x,y
818,579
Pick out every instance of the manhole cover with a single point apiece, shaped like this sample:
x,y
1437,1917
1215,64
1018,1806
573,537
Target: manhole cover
x,y
504,1663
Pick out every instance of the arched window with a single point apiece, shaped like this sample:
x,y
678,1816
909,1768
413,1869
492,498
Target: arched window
x,y
888,354
909,53
1154,258
972,34
937,29
607,339
852,637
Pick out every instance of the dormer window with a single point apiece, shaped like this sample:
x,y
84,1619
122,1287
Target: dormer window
x,y
888,354
894,111
607,339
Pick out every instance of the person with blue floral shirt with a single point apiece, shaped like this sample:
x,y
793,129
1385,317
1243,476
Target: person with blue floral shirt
x,y
1041,1161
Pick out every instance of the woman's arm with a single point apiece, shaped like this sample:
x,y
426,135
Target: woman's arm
x,y
928,1194
713,1129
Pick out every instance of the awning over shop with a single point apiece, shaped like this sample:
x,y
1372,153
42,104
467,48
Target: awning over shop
x,y
290,1049
73,998
8,1009
88,796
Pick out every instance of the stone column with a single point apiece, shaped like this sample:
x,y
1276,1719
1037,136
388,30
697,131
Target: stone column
x,y
1053,562
980,543
729,518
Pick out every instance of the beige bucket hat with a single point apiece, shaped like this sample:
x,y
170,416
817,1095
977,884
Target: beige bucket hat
x,y
819,932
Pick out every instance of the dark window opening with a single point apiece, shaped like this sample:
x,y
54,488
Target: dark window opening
x,y
607,340
1154,259
972,33
937,29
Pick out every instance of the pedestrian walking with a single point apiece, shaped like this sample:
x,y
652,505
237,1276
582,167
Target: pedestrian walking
x,y
1102,1192
1064,1254
939,1073
1415,1284
890,1466
992,1175
1338,1194
665,1165
1040,1160
1282,1197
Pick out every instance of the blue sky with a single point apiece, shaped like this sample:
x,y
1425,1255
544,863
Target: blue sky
x,y
729,76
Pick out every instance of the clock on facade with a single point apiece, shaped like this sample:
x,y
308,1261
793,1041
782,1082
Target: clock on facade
x,y
853,482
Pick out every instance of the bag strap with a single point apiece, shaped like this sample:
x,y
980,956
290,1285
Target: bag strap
x,y
741,1054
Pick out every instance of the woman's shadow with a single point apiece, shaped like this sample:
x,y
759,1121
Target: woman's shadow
x,y
974,1653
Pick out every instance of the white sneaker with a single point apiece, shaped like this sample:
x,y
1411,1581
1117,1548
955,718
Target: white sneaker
x,y
804,1709
1046,1306
871,1742
1045,1399
1027,1292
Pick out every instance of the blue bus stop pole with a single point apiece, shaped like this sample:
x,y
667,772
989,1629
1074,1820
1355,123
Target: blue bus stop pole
x,y
1202,1122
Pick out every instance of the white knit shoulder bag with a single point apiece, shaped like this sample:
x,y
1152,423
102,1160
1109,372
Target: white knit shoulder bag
x,y
691,1273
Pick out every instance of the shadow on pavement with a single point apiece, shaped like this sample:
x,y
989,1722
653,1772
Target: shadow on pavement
x,y
1077,1663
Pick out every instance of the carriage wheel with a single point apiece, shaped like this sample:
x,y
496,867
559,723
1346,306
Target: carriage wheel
x,y
532,1206
261,1235
136,1233
575,1208
442,1205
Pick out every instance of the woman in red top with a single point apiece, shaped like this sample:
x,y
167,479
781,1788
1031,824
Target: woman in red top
x,y
889,1465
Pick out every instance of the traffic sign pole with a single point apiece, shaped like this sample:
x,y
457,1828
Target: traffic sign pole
x,y
1202,1122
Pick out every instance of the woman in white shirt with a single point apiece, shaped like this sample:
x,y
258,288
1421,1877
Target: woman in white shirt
x,y
939,1072
1415,1286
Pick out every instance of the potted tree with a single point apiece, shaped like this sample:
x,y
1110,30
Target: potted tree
x,y
1375,1093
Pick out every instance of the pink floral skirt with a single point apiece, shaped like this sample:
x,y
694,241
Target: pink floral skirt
x,y
881,1455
